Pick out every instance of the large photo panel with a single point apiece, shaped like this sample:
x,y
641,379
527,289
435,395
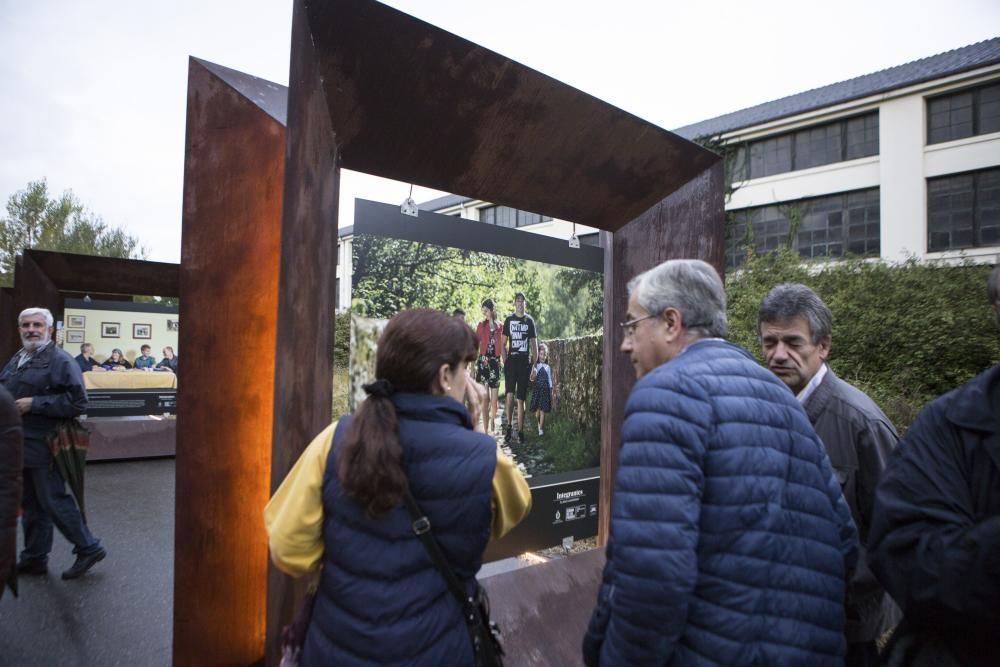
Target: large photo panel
x,y
553,345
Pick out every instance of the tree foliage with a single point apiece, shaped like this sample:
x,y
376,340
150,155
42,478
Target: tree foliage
x,y
390,275
36,220
905,333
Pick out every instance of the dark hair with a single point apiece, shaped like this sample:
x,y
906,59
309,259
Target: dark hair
x,y
488,303
145,347
791,300
414,345
457,312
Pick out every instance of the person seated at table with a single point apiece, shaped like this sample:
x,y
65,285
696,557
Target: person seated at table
x,y
116,360
169,362
86,359
144,360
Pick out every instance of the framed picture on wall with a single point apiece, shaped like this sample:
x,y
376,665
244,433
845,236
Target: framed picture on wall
x,y
173,325
111,329
142,331
76,322
74,335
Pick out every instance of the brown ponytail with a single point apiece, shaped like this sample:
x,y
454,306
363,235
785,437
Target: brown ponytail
x,y
414,345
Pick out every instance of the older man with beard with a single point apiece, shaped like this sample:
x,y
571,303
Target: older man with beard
x,y
47,387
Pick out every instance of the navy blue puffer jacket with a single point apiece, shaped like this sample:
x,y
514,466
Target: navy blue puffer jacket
x,y
381,601
730,540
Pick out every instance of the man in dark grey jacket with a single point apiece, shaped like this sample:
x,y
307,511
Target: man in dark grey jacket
x,y
47,387
795,328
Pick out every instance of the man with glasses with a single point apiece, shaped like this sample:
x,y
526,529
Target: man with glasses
x,y
730,541
795,329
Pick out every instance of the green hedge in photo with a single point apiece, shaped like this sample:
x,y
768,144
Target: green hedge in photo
x,y
903,333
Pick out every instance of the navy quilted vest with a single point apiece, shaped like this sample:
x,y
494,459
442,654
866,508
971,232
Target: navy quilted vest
x,y
381,601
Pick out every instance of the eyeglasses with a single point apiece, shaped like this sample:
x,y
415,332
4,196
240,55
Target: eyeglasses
x,y
629,327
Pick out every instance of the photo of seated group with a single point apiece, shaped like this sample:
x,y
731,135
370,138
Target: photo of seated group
x,y
538,328
117,361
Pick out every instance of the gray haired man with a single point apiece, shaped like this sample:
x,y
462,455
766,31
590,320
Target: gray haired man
x,y
730,541
795,329
47,387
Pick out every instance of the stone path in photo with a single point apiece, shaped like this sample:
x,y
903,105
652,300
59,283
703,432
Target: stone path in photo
x,y
530,459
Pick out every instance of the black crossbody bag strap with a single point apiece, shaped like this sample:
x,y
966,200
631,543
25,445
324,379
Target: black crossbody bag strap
x,y
422,529
483,632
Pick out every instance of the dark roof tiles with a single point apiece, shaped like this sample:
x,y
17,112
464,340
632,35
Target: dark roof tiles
x,y
969,57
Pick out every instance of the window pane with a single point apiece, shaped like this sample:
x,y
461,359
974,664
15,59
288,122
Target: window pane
x,y
949,117
738,164
771,156
817,146
989,109
988,207
862,136
949,212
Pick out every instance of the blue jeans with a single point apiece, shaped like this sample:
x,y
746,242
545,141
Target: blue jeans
x,y
47,503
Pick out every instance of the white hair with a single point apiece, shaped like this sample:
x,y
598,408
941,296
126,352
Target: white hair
x,y
30,312
691,286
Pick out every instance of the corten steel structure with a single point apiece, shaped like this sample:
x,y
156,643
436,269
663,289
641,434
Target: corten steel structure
x,y
233,191
44,278
374,90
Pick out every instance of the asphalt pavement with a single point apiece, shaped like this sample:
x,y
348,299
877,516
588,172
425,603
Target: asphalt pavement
x,y
119,613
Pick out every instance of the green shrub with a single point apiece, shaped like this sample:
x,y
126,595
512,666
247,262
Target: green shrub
x,y
903,333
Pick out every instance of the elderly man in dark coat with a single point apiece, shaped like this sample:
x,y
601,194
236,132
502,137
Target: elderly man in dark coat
x,y
11,462
796,334
730,539
935,536
47,387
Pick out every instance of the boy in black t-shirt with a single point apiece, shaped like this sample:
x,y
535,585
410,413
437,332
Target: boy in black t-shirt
x,y
519,336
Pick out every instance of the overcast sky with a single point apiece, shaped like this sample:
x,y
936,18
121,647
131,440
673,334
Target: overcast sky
x,y
93,93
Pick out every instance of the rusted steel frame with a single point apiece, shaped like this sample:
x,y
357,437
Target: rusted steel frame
x,y
233,185
543,610
9,340
95,275
690,223
32,289
303,359
413,102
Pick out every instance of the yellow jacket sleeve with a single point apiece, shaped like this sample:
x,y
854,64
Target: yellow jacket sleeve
x,y
294,515
511,499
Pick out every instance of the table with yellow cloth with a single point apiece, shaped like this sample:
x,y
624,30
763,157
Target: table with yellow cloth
x,y
130,379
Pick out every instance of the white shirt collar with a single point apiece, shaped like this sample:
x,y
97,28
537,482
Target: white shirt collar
x,y
811,387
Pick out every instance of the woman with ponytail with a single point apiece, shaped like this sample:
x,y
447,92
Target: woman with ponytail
x,y
380,599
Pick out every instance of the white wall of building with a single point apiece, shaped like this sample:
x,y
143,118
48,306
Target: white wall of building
x,y
900,170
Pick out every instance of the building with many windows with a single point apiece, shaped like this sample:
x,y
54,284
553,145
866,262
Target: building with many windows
x,y
905,161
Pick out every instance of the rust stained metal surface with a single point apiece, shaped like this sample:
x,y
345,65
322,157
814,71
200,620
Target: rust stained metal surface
x,y
412,102
107,275
303,361
233,193
690,223
9,337
543,610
